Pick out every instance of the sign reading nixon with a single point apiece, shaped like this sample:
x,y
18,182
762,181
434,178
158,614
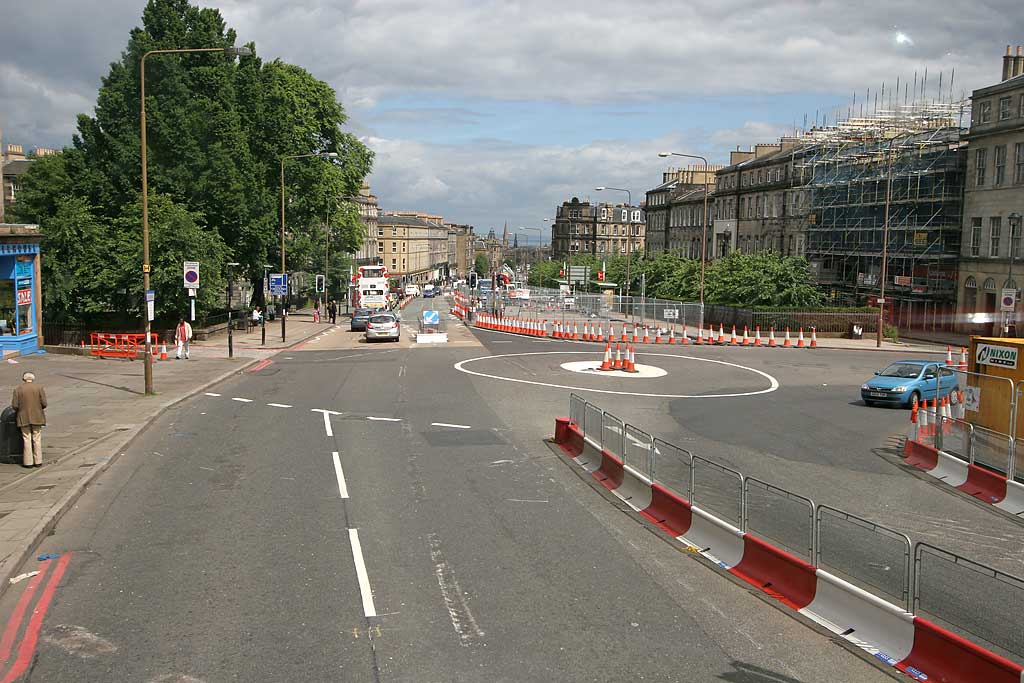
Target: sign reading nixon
x,y
1000,356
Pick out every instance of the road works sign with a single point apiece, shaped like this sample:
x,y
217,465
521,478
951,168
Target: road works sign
x,y
1000,356
431,318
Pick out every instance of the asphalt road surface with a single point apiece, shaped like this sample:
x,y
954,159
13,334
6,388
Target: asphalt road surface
x,y
358,512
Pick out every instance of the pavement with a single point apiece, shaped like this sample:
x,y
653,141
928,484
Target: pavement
x,y
96,407
365,511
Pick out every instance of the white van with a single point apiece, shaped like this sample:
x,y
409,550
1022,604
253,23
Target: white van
x,y
412,290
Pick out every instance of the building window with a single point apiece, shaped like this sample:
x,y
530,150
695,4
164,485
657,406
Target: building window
x,y
1018,171
985,112
995,229
976,237
999,157
980,161
990,285
394,263
394,232
394,247
970,282
1014,238
380,247
1022,106
380,232
1004,108
604,213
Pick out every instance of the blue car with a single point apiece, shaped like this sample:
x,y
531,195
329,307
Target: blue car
x,y
906,380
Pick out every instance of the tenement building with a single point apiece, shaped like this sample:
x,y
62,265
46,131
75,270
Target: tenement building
x,y
413,246
993,202
604,229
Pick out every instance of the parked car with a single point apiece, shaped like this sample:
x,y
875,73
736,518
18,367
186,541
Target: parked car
x,y
359,318
906,380
412,290
429,291
383,326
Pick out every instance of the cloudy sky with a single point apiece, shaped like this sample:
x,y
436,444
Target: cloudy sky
x,y
489,112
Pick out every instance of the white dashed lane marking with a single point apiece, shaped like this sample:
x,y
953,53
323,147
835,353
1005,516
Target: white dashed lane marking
x,y
242,400
383,419
342,486
445,424
279,405
364,580
210,393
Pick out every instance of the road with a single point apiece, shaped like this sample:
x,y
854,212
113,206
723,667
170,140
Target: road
x,y
368,512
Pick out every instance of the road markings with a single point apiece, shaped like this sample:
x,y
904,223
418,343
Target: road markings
x,y
262,364
241,400
461,617
520,500
383,419
401,371
361,576
445,424
27,648
210,393
279,405
327,424
342,486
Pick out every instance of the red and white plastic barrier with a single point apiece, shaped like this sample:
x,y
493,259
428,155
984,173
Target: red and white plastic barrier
x,y
911,644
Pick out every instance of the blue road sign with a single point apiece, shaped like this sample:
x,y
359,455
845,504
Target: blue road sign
x,y
279,284
431,318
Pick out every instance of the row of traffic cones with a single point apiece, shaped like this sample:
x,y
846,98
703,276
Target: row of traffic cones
x,y
627,365
962,365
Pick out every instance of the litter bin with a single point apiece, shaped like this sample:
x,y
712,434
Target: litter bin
x,y
10,436
856,331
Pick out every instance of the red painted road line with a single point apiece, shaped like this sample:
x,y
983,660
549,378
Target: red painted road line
x,y
14,623
28,644
262,364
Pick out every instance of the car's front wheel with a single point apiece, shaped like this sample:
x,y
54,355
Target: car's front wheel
x,y
915,397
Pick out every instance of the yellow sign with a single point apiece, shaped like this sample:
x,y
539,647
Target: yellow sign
x,y
920,239
146,268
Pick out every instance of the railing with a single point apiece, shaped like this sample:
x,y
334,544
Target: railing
x,y
971,598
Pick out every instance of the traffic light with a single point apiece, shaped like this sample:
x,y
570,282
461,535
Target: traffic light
x,y
561,272
600,275
472,280
320,283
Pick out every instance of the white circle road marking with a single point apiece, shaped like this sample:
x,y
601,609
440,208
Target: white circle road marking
x,y
590,367
774,382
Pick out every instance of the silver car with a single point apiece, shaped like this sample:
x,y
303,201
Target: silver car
x,y
383,326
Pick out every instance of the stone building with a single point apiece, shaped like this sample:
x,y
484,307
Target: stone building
x,y
604,229
369,253
413,246
990,245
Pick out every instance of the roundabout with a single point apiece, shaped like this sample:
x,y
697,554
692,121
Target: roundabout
x,y
717,378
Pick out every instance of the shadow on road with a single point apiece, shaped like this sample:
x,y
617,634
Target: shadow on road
x,y
748,673
102,384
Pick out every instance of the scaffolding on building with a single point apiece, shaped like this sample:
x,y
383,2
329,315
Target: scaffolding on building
x,y
900,170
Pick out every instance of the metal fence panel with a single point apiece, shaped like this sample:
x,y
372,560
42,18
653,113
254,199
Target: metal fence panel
x,y
778,515
992,449
872,556
718,489
972,599
639,451
593,419
613,435
577,408
955,437
672,467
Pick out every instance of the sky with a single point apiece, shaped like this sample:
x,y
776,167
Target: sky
x,y
491,112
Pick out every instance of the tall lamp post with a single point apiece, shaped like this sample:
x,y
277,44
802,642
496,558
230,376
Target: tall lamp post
x,y
1015,219
231,51
540,235
231,324
322,155
704,225
263,318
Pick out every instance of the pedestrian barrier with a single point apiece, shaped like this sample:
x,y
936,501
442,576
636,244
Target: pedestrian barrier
x,y
120,345
927,638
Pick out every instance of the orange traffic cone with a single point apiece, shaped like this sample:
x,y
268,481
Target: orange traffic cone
x,y
611,332
647,335
684,339
814,337
787,343
163,351
636,334
606,364
963,359
721,333
700,334
757,336
949,355
618,356
672,335
746,337
625,335
657,335
734,341
913,411
575,332
600,332
631,360
771,337
800,341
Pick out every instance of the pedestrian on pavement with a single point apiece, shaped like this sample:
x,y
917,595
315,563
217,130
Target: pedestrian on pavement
x,y
29,402
182,337
316,311
334,311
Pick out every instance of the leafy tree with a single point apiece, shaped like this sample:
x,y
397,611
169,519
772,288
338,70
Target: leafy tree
x,y
482,265
217,128
544,273
765,279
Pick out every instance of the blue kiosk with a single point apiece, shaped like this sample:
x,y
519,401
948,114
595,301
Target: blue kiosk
x,y
21,311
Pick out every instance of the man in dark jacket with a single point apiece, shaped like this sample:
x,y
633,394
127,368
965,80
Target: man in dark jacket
x,y
29,401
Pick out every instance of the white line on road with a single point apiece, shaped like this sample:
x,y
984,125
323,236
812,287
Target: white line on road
x,y
445,424
342,487
526,500
242,400
327,424
383,419
364,580
279,405
210,393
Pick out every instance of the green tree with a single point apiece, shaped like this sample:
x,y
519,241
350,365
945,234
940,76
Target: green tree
x,y
765,279
217,129
482,265
544,273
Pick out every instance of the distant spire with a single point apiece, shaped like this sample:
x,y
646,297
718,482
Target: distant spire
x,y
504,236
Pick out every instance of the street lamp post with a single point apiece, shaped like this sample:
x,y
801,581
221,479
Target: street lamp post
x,y
322,155
263,318
231,325
231,51
1015,219
704,225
